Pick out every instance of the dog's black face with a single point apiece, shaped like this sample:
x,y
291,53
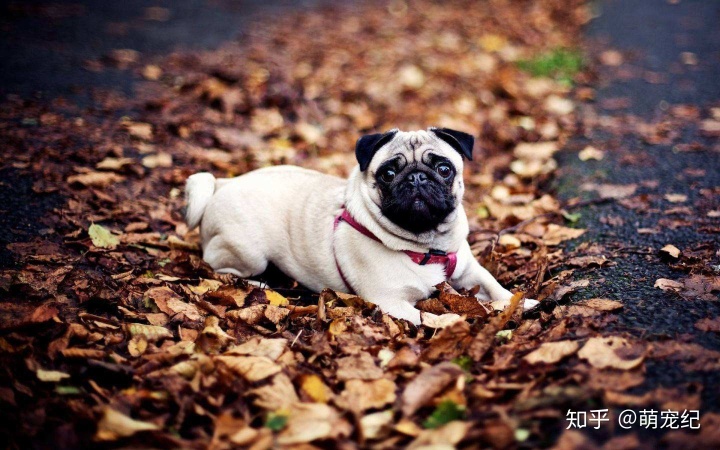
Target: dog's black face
x,y
416,196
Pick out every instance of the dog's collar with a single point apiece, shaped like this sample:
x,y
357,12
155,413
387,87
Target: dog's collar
x,y
433,256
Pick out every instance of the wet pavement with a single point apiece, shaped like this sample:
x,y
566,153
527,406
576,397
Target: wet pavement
x,y
672,54
47,51
45,47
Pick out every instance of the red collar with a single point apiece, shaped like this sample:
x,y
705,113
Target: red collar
x,y
449,260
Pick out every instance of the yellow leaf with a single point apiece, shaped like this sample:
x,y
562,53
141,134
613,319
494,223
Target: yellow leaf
x,y
337,327
151,332
276,299
102,238
314,387
492,42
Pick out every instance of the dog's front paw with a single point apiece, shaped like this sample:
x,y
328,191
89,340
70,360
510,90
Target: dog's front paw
x,y
407,312
528,303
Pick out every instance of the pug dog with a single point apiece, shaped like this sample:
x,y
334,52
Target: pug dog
x,y
389,233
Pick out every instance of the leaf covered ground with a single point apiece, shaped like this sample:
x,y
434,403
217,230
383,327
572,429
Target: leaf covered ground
x,y
115,333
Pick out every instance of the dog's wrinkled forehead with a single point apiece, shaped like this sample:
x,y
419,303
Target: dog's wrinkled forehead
x,y
414,144
452,144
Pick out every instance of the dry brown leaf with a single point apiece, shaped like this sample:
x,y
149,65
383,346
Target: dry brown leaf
x,y
115,425
150,332
611,190
311,421
708,324
671,250
361,366
376,425
158,160
359,395
668,285
95,179
257,346
439,322
555,234
252,368
611,352
278,395
552,352
429,383
446,436
676,198
139,130
601,304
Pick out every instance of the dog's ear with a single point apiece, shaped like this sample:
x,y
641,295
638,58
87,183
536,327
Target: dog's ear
x,y
462,142
368,145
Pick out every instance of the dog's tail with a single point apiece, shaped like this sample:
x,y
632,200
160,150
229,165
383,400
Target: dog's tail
x,y
199,188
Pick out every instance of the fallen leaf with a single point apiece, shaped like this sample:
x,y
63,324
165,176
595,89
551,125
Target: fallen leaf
x,y
676,198
611,190
256,346
276,299
311,421
601,304
708,324
611,58
591,152
139,130
361,366
376,425
157,160
429,383
152,333
671,250
668,285
434,321
252,368
447,436
359,396
552,352
51,376
611,352
315,388
278,395
115,425
556,234
102,237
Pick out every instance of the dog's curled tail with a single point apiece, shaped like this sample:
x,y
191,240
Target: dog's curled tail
x,y
199,188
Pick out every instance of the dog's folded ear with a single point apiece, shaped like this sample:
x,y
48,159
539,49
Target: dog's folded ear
x,y
368,145
462,142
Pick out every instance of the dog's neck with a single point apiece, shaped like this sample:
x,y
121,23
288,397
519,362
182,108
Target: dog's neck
x,y
448,236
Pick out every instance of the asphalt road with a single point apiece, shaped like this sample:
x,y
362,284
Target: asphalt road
x,y
656,38
45,47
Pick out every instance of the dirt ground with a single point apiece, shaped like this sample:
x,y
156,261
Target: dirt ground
x,y
595,189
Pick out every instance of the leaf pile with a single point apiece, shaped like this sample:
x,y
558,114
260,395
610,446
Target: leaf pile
x,y
115,332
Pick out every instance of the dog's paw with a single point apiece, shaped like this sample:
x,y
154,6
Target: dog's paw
x,y
528,303
409,313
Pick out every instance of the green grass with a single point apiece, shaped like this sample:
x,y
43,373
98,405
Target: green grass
x,y
446,412
560,64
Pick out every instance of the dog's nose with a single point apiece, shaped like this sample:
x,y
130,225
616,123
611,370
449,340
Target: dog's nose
x,y
417,178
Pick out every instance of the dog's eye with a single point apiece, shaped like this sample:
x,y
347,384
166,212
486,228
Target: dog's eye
x,y
443,170
387,175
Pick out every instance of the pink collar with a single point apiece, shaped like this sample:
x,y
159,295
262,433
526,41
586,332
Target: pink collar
x,y
449,260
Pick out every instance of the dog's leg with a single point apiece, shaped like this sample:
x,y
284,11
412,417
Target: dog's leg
x,y
398,303
473,274
235,259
